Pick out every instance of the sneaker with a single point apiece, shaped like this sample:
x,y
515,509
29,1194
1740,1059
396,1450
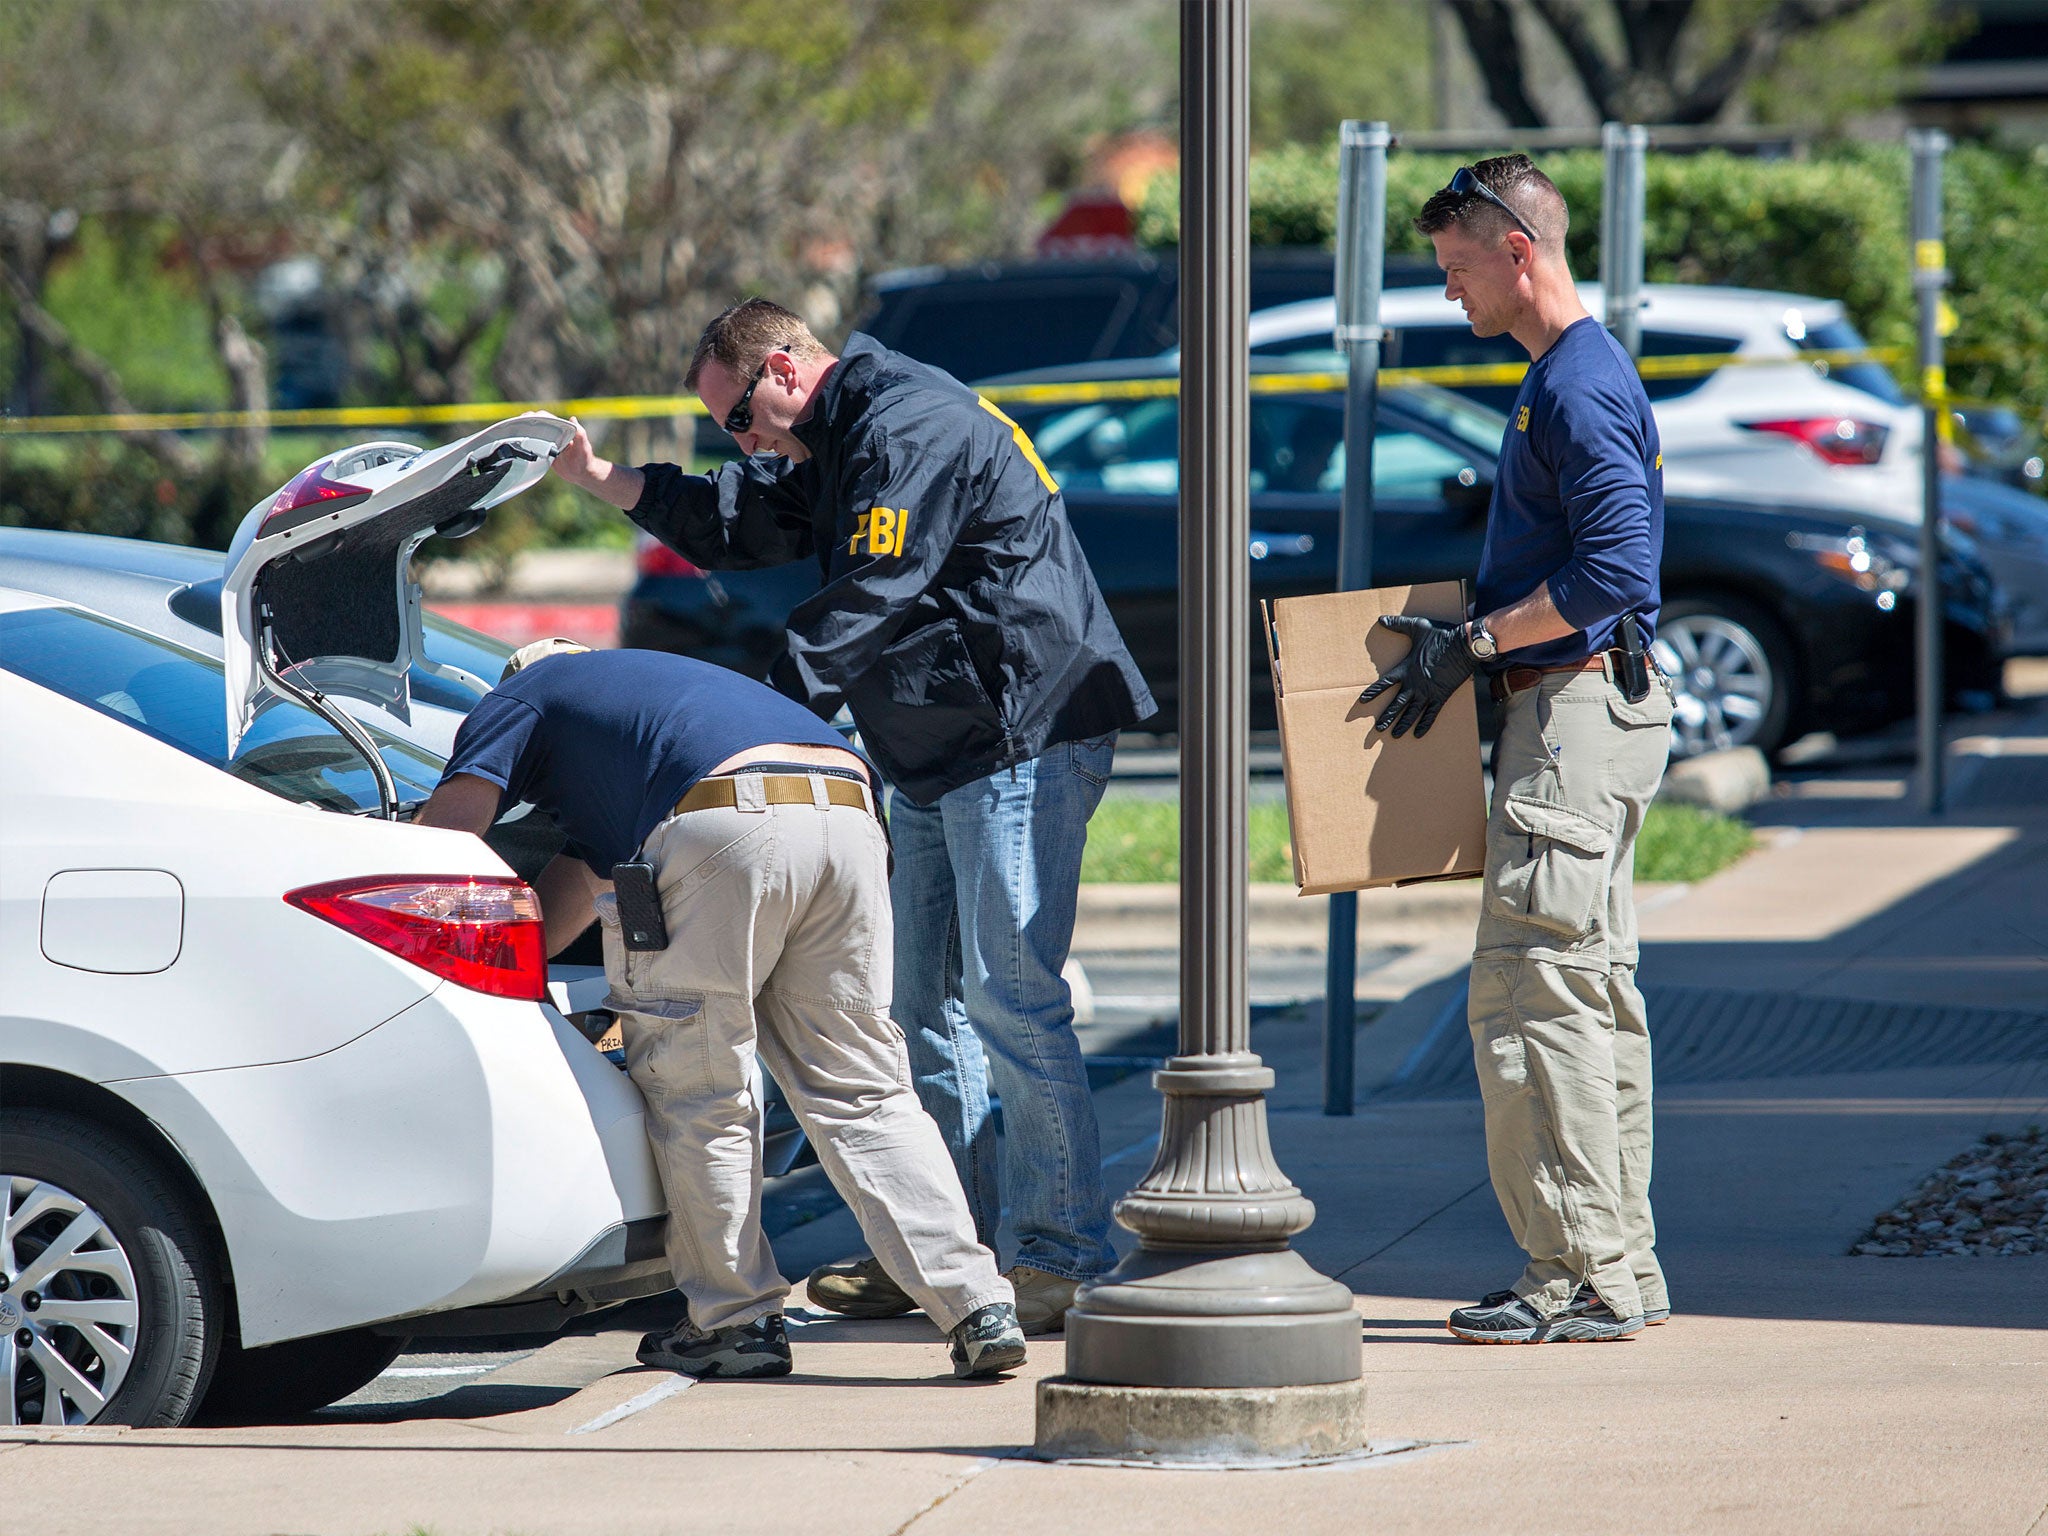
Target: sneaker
x,y
759,1348
857,1288
1042,1299
988,1342
1502,1317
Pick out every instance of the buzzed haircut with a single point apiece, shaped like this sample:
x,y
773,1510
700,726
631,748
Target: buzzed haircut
x,y
1517,182
740,340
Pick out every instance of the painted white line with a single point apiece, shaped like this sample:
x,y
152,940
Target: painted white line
x,y
647,1399
441,1370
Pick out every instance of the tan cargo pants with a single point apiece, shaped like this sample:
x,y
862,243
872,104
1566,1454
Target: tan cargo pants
x,y
1559,1032
781,942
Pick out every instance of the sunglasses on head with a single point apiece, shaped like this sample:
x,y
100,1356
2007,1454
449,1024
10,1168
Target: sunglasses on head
x,y
741,416
1466,184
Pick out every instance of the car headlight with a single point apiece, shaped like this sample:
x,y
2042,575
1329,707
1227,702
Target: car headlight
x,y
1878,563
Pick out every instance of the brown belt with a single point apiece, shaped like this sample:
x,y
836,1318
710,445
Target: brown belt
x,y
1506,684
776,789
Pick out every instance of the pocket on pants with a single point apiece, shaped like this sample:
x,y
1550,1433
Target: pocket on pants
x,y
1553,867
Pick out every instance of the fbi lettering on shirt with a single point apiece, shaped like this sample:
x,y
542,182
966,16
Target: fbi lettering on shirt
x,y
1522,419
880,531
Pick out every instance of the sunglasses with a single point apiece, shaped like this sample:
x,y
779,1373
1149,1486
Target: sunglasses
x,y
741,416
1465,184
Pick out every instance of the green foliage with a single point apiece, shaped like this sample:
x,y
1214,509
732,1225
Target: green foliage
x,y
98,485
123,295
1835,227
1681,842
1316,62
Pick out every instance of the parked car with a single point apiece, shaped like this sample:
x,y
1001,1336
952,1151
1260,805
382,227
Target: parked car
x,y
1776,621
1006,317
1835,435
284,1081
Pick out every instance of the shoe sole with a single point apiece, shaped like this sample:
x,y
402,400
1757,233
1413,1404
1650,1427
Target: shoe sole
x,y
994,1360
1041,1328
1577,1331
727,1367
848,1307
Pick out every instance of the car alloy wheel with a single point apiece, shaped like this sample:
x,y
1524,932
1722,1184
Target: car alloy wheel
x,y
1723,681
68,1313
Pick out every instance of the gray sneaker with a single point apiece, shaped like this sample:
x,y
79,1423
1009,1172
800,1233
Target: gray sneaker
x,y
988,1341
1504,1318
857,1288
759,1348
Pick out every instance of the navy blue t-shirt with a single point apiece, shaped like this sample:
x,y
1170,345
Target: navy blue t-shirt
x,y
1579,498
606,742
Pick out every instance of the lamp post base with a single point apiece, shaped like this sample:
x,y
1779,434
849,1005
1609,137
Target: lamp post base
x,y
1199,1425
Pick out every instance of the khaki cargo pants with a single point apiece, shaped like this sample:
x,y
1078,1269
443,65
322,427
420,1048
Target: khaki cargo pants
x,y
1559,1032
781,943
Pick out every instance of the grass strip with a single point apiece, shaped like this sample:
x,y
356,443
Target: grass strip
x,y
1135,839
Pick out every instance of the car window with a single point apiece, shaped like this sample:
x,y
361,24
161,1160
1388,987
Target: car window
x,y
1454,346
1681,344
1872,377
983,329
178,697
1110,445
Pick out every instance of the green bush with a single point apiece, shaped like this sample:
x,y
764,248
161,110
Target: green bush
x,y
1834,226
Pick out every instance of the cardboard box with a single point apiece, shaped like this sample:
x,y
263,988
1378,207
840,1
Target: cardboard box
x,y
1366,809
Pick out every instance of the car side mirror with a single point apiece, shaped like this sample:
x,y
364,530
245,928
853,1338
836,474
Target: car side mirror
x,y
1466,494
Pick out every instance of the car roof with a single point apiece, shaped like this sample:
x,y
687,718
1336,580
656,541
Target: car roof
x,y
1682,306
133,580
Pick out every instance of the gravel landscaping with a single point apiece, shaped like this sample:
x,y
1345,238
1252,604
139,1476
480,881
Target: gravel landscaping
x,y
1991,1201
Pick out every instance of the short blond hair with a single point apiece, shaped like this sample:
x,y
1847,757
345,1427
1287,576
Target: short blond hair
x,y
740,340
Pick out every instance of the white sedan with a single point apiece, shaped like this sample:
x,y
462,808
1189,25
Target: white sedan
x,y
282,1080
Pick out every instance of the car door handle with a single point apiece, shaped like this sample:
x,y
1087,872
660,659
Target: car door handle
x,y
1265,544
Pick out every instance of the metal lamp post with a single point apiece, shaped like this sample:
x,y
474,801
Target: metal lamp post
x,y
1176,1353
1930,277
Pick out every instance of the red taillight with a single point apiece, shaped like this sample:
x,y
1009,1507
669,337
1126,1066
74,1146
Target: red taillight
x,y
310,487
476,931
657,559
1838,439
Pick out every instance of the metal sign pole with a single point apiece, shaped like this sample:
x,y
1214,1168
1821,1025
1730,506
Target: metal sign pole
x,y
1930,277
1361,264
1621,232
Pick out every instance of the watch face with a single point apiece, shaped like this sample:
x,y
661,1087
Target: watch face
x,y
1483,645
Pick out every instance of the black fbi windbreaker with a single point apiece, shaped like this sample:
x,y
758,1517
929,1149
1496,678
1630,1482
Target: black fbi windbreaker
x,y
958,617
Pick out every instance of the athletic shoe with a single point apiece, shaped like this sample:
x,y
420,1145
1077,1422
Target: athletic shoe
x,y
1042,1299
1502,1317
759,1348
857,1288
988,1342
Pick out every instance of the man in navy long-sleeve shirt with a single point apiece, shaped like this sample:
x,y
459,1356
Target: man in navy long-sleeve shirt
x,y
1573,540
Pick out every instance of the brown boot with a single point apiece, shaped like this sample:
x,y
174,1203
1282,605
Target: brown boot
x,y
857,1288
1042,1299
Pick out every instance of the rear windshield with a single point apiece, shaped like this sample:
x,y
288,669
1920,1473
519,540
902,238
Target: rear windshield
x,y
1872,377
179,698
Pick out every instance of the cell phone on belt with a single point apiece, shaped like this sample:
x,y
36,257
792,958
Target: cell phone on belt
x,y
641,925
1632,676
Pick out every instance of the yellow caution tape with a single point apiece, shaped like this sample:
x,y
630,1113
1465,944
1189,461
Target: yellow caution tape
x,y
1929,255
627,407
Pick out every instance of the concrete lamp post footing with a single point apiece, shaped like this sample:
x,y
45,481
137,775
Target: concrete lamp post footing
x,y
1199,1425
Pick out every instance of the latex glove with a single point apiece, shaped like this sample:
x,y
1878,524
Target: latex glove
x,y
1437,667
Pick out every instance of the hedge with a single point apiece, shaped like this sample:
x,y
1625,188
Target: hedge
x,y
1834,226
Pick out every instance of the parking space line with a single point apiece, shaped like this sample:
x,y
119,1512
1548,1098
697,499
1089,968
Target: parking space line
x,y
631,1406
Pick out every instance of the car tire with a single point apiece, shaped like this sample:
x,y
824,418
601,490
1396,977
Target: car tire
x,y
1731,667
142,1276
293,1379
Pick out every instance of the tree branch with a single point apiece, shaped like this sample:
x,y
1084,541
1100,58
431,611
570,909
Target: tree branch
x,y
167,447
1489,28
1703,100
1566,20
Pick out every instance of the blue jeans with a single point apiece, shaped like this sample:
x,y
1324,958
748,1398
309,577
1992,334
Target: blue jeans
x,y
984,890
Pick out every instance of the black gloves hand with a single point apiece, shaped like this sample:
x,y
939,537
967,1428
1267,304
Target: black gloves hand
x,y
1438,666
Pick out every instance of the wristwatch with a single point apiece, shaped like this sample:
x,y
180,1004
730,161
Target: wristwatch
x,y
1480,642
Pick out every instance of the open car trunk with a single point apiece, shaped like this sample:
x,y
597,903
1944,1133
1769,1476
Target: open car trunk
x,y
318,597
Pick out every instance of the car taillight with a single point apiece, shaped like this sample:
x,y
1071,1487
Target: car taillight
x,y
1838,439
657,559
309,488
476,931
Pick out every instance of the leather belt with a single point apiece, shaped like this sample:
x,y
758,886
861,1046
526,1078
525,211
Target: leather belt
x,y
776,789
1515,679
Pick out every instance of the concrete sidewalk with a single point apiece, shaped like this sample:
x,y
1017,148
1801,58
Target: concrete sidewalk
x,y
1895,965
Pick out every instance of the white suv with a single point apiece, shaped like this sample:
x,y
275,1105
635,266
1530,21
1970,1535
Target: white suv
x,y
1837,435
282,1080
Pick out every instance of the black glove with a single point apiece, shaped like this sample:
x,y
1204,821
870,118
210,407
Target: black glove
x,y
1438,666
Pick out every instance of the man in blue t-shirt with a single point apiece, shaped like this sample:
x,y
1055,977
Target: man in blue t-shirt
x,y
1566,604
769,871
